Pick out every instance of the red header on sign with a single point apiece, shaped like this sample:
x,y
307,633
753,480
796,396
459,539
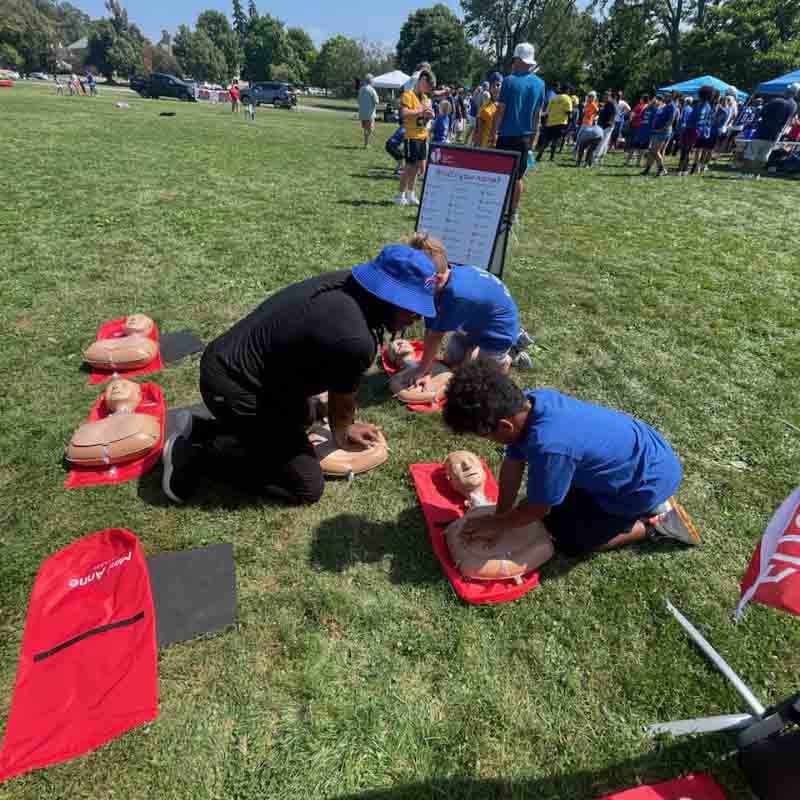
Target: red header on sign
x,y
496,161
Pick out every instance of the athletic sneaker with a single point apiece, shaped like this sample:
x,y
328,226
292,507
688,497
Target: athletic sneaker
x,y
412,199
179,479
522,360
525,339
401,199
671,522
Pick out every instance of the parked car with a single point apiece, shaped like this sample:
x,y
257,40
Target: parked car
x,y
9,75
159,84
274,93
39,76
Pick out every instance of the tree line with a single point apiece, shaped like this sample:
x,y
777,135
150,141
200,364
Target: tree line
x,y
622,44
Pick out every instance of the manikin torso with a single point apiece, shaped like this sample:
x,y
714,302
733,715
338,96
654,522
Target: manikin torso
x,y
402,355
121,436
132,350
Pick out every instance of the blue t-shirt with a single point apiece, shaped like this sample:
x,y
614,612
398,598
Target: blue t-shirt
x,y
441,127
665,116
396,139
700,119
623,463
477,303
645,124
522,95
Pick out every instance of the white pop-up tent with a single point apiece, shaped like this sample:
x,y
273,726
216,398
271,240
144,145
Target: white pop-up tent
x,y
390,80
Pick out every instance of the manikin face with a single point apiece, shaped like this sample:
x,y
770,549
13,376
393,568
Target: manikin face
x,y
465,471
400,349
122,395
138,323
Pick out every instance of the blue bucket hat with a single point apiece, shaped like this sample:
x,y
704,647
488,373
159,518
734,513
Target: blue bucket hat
x,y
495,77
402,276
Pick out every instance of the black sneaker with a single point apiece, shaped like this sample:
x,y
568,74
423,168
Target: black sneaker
x,y
671,522
180,476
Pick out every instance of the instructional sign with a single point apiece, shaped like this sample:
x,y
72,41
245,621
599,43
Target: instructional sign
x,y
465,200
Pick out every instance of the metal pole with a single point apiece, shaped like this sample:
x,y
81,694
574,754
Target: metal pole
x,y
719,662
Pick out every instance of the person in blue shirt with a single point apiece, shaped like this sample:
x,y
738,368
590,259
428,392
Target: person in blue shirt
x,y
661,133
646,127
479,311
441,124
597,478
394,147
697,130
519,110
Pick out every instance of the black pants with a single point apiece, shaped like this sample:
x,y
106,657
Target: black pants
x,y
273,455
551,135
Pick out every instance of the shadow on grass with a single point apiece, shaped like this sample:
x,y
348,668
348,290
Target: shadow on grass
x,y
376,176
662,763
349,539
362,203
346,147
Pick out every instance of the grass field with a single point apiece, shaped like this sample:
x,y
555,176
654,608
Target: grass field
x,y
354,671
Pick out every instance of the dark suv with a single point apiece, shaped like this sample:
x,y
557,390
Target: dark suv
x,y
159,84
275,93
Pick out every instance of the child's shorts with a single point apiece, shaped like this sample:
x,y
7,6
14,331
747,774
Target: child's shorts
x,y
579,525
461,345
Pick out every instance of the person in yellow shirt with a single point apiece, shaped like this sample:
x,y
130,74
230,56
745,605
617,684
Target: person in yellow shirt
x,y
559,110
416,112
484,125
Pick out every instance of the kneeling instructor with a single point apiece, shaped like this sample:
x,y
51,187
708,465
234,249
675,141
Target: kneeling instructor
x,y
260,378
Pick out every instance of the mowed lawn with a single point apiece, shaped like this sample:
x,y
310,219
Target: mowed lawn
x,y
354,671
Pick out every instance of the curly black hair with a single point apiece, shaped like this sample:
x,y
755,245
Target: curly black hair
x,y
478,397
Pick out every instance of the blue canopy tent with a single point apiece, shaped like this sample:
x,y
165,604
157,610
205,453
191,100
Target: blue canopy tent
x,y
777,85
692,87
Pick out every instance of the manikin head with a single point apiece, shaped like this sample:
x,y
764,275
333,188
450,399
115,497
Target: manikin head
x,y
399,350
465,472
122,395
138,324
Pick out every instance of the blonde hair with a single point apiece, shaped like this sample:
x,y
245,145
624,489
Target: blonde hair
x,y
445,107
432,248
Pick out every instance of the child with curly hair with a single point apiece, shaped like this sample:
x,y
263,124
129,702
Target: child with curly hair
x,y
597,478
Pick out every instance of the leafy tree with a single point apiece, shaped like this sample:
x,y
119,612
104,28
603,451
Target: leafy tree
x,y
378,58
340,62
199,56
266,45
302,55
216,26
31,33
437,35
72,23
252,11
746,41
115,44
9,57
239,22
159,59
500,25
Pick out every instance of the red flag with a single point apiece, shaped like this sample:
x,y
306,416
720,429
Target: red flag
x,y
88,670
773,577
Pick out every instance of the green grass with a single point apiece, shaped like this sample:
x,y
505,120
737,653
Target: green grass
x,y
354,671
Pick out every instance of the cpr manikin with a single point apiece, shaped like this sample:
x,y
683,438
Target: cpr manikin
x,y
120,437
515,553
345,462
132,350
400,353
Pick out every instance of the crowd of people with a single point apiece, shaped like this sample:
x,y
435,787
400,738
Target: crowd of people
x,y
515,113
76,85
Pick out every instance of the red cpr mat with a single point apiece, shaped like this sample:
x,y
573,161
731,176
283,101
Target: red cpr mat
x,y
152,403
441,504
692,787
87,670
388,367
773,576
113,329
